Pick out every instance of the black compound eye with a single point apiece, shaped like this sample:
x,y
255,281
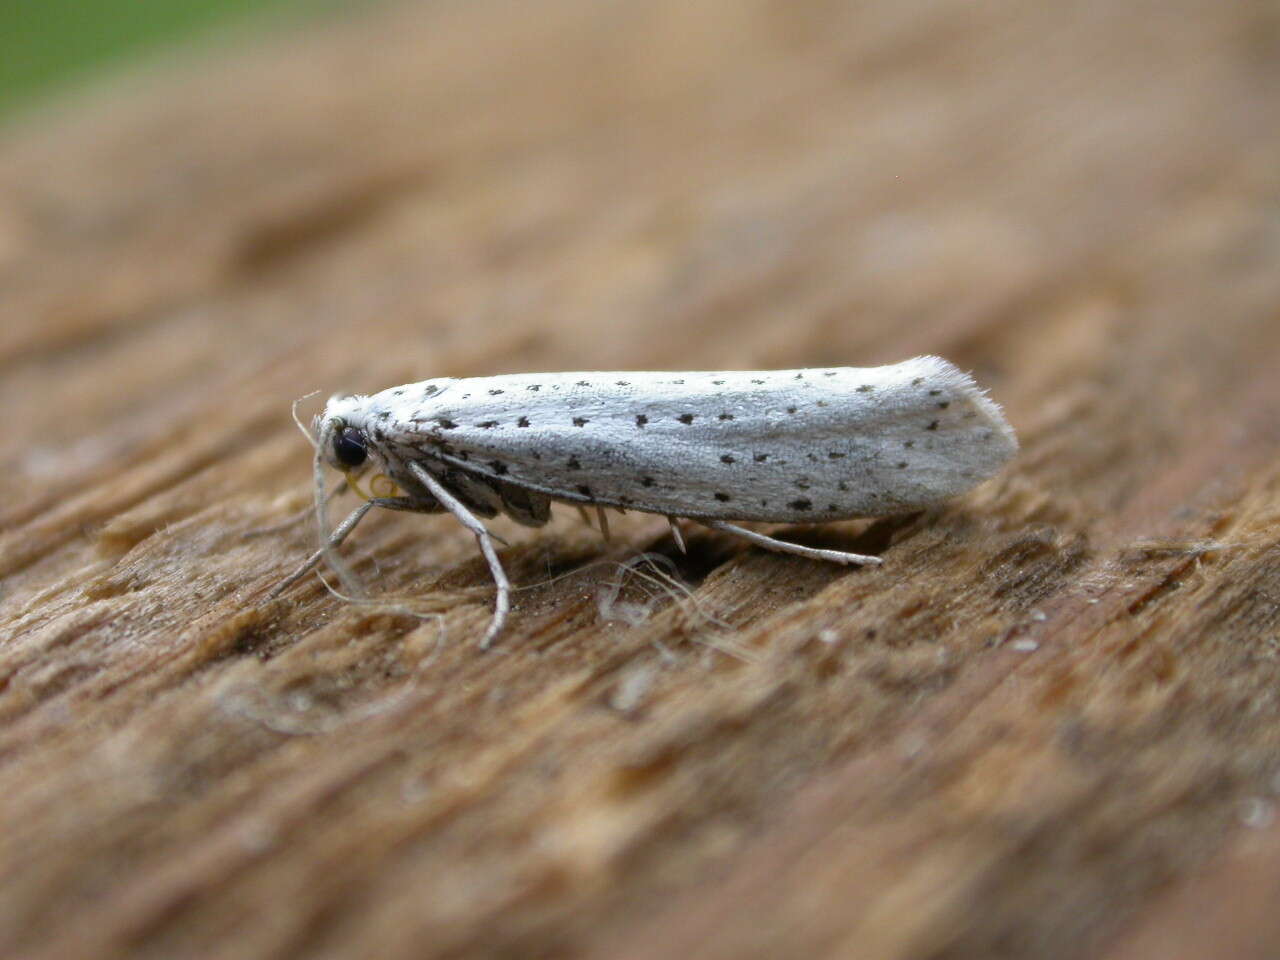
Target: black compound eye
x,y
349,447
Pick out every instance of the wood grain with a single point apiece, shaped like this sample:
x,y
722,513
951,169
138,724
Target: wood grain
x,y
1047,727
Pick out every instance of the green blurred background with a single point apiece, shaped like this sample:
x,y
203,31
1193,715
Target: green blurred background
x,y
47,46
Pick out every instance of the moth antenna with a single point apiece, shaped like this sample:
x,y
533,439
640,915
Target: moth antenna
x,y
298,420
346,576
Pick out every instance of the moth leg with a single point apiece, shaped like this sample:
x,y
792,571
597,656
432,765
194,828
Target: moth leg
x,y
677,536
341,533
408,504
411,505
469,520
782,546
343,530
305,514
604,522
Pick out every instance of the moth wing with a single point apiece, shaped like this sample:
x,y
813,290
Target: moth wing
x,y
780,445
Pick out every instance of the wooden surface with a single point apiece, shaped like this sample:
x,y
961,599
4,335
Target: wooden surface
x,y
1048,726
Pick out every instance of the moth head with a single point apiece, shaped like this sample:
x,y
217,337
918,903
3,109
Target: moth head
x,y
350,450
340,437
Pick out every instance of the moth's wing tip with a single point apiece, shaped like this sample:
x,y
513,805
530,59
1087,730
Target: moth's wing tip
x,y
993,418
990,413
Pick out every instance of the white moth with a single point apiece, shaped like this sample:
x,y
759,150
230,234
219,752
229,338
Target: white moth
x,y
778,446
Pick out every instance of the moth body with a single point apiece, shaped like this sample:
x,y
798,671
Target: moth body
x,y
781,446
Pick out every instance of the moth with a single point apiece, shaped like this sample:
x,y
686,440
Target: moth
x,y
773,446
